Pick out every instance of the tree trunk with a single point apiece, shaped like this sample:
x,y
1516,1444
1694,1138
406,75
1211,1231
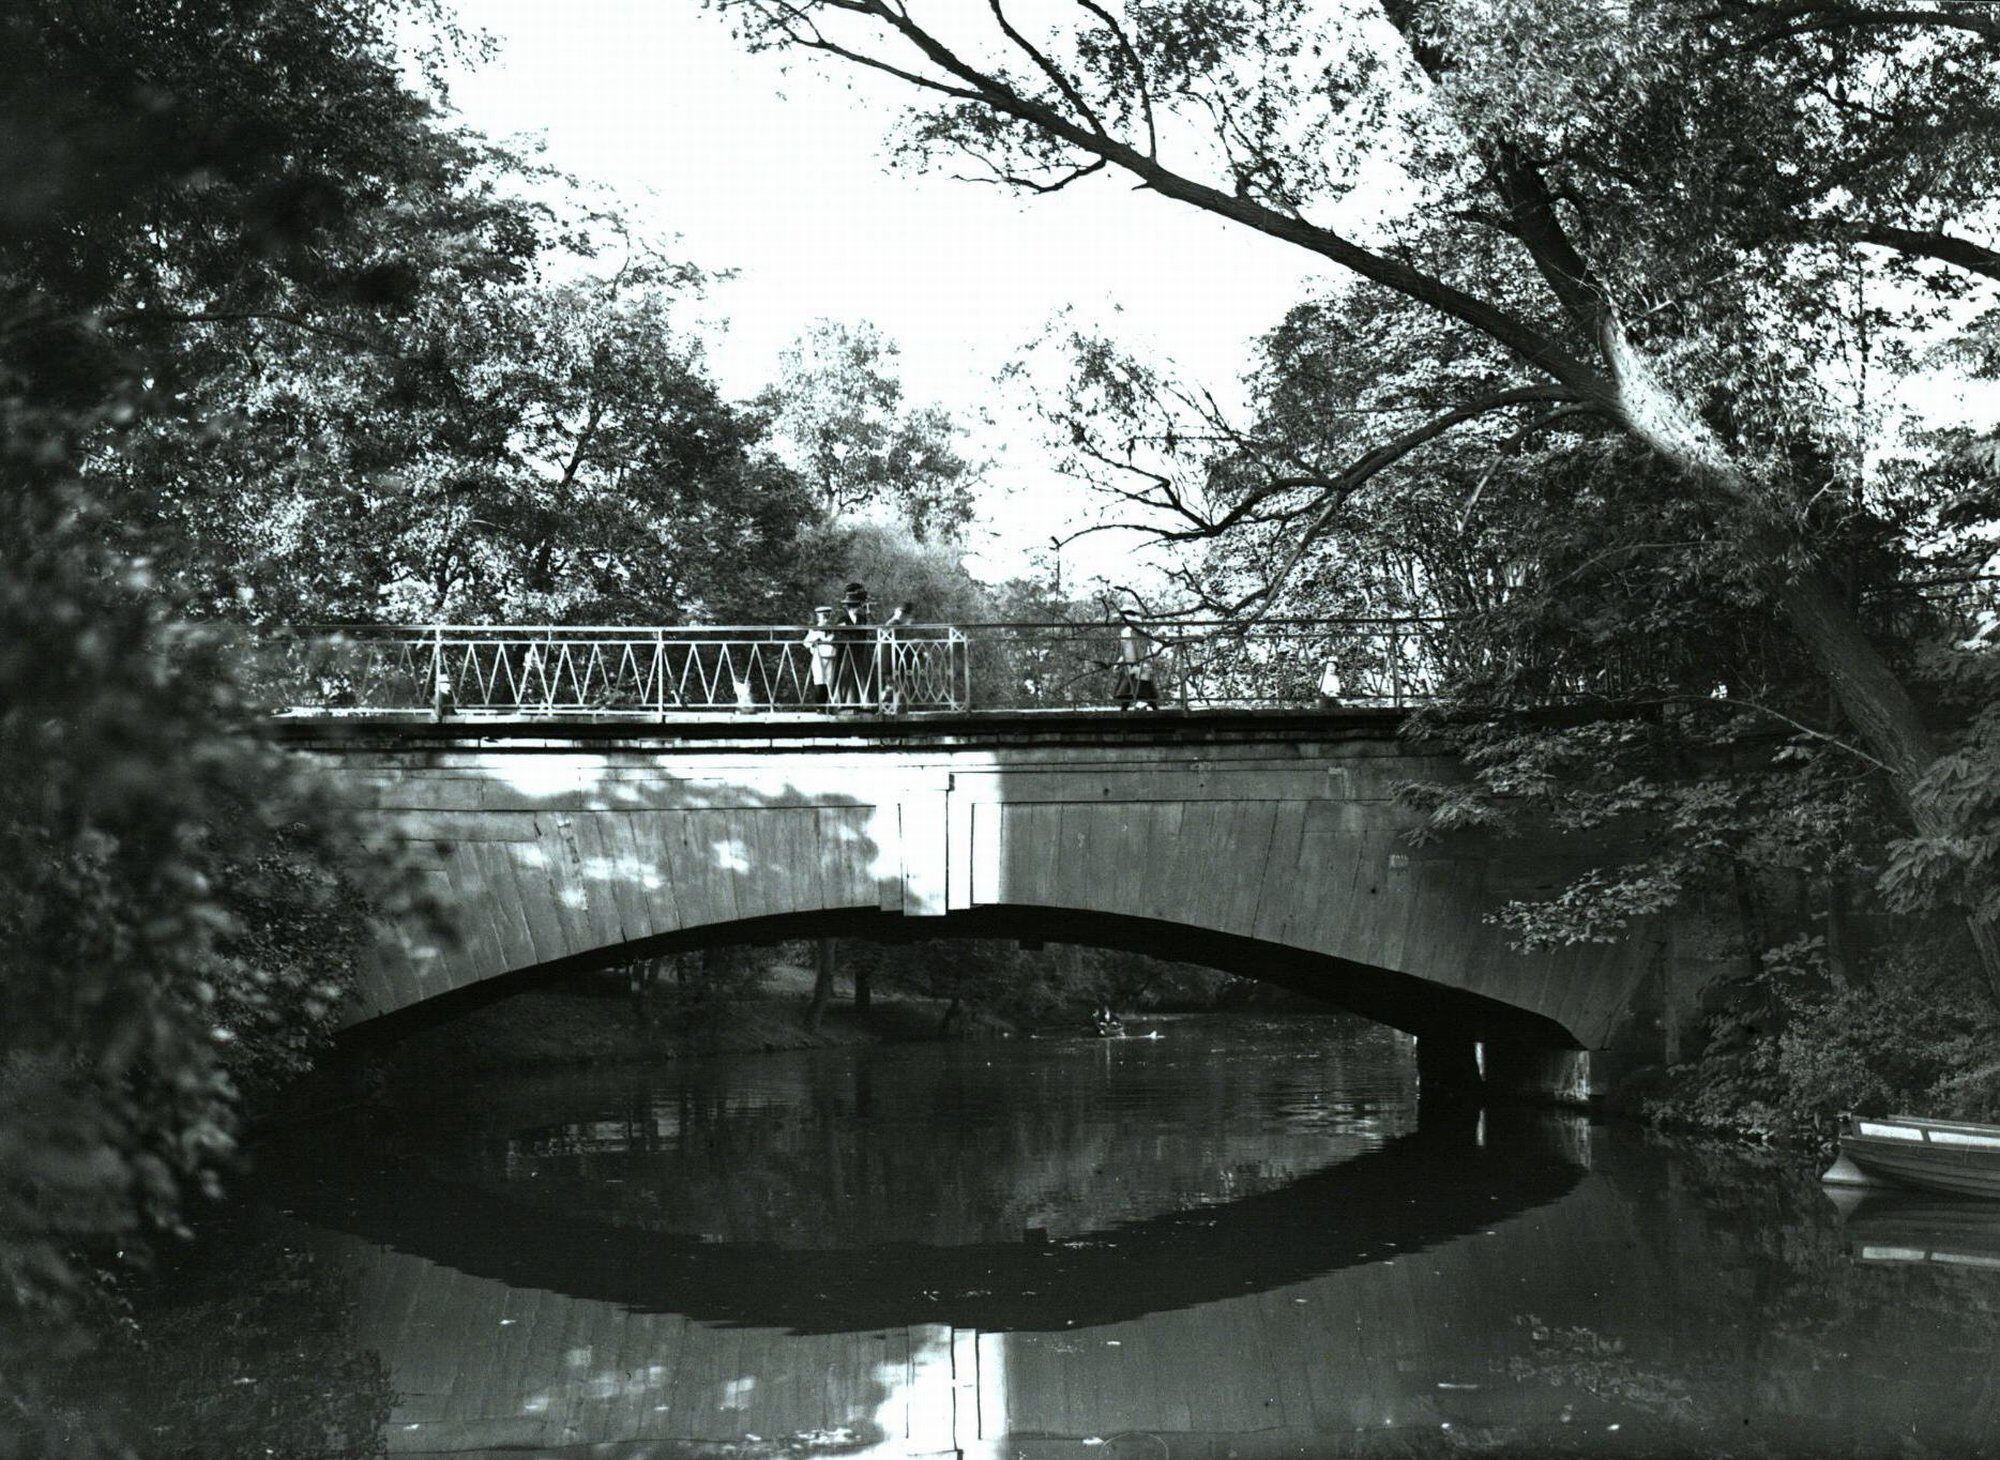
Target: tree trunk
x,y
822,983
1880,708
1748,917
1866,688
1841,965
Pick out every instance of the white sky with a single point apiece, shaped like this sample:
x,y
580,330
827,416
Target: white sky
x,y
783,176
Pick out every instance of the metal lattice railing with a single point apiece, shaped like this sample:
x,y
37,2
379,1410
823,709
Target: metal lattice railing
x,y
1196,665
516,672
548,671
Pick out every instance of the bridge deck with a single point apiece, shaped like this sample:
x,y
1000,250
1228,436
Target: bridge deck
x,y
940,727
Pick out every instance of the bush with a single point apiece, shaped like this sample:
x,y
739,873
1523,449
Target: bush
x,y
1917,1035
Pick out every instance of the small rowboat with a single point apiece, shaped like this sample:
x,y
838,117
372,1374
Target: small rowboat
x,y
1909,1150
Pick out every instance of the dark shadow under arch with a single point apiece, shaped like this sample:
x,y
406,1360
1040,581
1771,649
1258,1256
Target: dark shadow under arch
x,y
1400,1000
1387,997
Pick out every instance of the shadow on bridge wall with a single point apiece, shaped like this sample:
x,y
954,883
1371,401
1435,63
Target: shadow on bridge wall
x,y
558,857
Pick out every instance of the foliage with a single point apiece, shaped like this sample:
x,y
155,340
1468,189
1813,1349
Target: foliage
x,y
1590,1366
896,566
838,415
1661,280
525,441
169,921
694,990
1794,1047
1962,869
1031,985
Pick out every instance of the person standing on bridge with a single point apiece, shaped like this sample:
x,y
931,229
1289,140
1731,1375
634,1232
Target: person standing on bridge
x,y
821,652
1136,687
855,650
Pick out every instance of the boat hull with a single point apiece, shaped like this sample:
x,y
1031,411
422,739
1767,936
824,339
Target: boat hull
x,y
1947,1156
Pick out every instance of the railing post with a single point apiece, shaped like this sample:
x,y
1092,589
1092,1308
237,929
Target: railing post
x,y
1395,669
660,669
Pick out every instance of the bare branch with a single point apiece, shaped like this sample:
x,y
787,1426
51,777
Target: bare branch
x,y
1804,729
1539,350
1513,444
1138,72
1341,489
800,30
1047,67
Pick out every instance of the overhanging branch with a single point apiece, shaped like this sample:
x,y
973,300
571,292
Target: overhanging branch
x,y
1959,252
1342,488
968,82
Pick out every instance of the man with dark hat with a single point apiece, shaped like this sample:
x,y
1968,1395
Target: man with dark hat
x,y
854,643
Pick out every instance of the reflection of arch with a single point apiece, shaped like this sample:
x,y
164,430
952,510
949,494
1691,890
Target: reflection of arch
x,y
1411,1194
1400,1000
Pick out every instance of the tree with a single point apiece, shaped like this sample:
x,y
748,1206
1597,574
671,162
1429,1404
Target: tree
x,y
515,450
171,923
837,408
1673,189
1554,565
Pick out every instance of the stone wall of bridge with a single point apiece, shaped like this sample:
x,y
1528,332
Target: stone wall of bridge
x,y
1270,845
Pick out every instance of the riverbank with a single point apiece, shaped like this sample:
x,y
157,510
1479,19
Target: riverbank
x,y
584,1023
1786,1052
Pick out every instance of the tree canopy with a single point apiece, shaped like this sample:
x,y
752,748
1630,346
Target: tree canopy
x,y
1695,256
522,449
837,412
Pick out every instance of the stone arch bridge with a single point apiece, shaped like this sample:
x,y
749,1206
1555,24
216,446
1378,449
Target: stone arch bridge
x,y
1266,842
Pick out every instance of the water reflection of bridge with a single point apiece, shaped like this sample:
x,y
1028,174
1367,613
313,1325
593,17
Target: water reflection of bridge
x,y
1403,1198
1628,1300
1296,1310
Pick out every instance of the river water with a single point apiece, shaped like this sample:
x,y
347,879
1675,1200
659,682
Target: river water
x,y
1235,1239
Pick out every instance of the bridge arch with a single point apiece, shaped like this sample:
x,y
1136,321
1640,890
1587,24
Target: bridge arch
x,y
1266,843
1402,1001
